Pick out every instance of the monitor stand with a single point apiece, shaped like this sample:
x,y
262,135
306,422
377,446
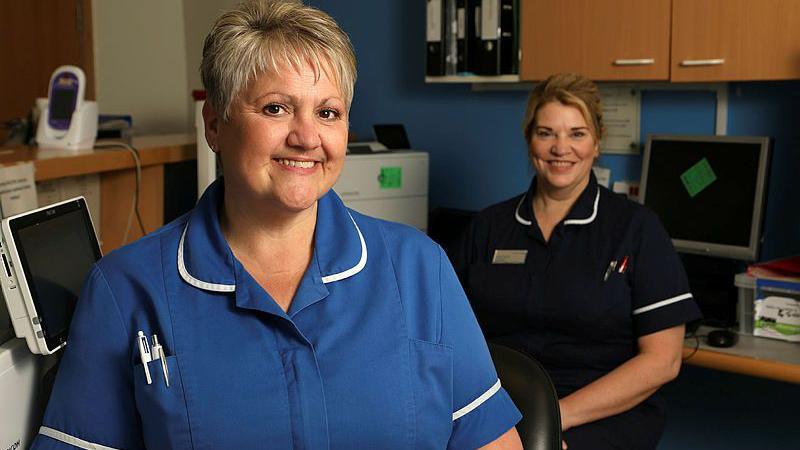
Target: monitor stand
x,y
711,283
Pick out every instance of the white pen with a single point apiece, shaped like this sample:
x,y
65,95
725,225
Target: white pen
x,y
611,266
144,354
158,351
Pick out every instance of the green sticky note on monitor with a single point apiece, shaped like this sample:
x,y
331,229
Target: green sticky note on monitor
x,y
391,177
698,177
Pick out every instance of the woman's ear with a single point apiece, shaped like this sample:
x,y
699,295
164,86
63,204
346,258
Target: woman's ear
x,y
211,120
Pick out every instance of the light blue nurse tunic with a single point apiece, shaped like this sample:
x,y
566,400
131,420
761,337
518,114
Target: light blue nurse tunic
x,y
379,349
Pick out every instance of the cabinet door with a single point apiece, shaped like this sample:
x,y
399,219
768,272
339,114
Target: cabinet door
x,y
35,38
730,40
601,39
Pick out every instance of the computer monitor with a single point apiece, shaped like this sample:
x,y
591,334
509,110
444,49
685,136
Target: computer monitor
x,y
708,191
393,136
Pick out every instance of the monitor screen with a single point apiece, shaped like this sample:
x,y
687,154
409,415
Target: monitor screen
x,y
708,191
63,104
56,254
393,136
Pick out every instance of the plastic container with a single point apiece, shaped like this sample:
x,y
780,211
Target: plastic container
x,y
744,306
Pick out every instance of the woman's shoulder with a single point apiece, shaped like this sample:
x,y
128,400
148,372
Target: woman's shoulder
x,y
629,215
397,237
145,252
621,206
501,210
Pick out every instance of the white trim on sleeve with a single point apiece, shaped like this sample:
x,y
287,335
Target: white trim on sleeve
x,y
477,402
662,303
72,440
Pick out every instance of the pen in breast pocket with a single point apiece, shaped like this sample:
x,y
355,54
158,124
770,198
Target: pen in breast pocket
x,y
158,353
623,265
144,354
611,266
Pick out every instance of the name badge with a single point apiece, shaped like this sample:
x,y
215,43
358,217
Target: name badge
x,y
509,256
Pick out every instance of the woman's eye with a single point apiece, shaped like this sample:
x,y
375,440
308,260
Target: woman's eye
x,y
329,114
543,133
273,109
579,134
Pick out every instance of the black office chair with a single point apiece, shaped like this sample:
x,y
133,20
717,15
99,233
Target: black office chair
x,y
530,387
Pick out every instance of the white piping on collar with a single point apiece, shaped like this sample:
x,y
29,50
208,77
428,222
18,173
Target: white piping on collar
x,y
589,219
362,262
194,281
355,269
516,212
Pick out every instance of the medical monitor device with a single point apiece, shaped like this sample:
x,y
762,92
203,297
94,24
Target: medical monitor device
x,y
393,136
708,191
46,254
67,120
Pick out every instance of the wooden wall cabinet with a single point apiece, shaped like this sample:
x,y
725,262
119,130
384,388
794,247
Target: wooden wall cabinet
x,y
675,40
601,39
733,40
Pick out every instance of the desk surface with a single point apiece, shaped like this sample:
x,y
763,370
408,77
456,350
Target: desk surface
x,y
754,356
51,163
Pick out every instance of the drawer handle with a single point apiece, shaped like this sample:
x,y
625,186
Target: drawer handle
x,y
702,62
634,62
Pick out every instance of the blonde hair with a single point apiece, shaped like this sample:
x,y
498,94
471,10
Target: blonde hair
x,y
568,89
261,36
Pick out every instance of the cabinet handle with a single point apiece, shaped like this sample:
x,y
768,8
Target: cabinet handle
x,y
634,62
702,62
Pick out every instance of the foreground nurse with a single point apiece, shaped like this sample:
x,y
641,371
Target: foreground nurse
x,y
286,319
584,279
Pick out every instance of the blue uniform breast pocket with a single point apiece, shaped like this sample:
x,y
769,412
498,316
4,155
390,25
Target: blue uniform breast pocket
x,y
165,423
432,380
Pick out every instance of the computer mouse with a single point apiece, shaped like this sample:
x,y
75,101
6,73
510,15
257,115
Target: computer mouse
x,y
722,338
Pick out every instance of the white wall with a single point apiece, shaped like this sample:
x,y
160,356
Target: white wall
x,y
140,63
198,16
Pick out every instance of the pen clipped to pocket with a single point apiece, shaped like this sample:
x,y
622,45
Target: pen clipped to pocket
x,y
148,354
619,266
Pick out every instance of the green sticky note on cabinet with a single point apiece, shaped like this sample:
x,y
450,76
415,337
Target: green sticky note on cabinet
x,y
698,177
391,177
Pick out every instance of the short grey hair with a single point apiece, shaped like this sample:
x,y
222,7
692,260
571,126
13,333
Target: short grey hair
x,y
261,36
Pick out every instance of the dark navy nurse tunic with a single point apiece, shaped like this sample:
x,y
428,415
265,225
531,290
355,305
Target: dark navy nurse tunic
x,y
379,349
554,300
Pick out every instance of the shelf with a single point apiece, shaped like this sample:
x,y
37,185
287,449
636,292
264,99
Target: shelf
x,y
473,79
51,163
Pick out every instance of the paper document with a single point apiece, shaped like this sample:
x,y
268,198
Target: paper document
x,y
53,191
621,106
17,189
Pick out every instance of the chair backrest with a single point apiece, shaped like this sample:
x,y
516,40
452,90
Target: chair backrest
x,y
530,387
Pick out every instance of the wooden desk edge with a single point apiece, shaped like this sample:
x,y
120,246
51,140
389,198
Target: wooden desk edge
x,y
773,370
154,150
110,160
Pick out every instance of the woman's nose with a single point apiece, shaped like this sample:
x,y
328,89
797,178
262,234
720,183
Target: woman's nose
x,y
561,146
304,134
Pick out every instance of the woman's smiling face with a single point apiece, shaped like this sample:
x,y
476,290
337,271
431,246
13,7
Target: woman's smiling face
x,y
285,140
562,147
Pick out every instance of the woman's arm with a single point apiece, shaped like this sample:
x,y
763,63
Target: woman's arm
x,y
658,362
508,441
